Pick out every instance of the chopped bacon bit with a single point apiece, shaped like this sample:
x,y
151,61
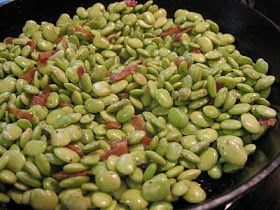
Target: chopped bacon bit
x,y
8,40
138,123
64,104
143,62
127,71
111,37
178,37
108,74
87,34
44,56
75,149
196,50
123,95
29,75
117,148
178,61
41,99
49,142
80,71
219,85
113,125
146,141
131,3
65,43
270,122
32,44
63,175
20,114
180,33
174,30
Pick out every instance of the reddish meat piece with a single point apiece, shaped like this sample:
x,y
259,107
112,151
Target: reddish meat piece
x,y
113,125
29,75
21,114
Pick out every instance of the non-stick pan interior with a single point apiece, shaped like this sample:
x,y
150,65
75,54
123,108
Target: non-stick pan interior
x,y
255,36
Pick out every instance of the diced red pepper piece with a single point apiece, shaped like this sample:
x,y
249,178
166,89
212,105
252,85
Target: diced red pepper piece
x,y
29,75
87,34
127,71
8,40
75,149
32,44
138,123
123,95
41,99
113,125
80,71
146,141
20,114
44,56
63,175
131,3
171,31
64,104
196,50
219,85
270,122
117,148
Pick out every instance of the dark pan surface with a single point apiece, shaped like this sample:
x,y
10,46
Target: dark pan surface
x,y
256,36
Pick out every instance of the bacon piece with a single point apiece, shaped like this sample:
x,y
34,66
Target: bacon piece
x,y
29,75
171,31
111,37
44,56
127,71
20,114
270,122
63,175
131,3
143,62
113,125
146,141
8,40
138,123
64,104
178,37
117,148
196,50
75,149
87,34
32,44
178,61
123,95
41,99
80,71
219,85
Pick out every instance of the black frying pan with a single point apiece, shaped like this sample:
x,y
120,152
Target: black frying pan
x,y
256,36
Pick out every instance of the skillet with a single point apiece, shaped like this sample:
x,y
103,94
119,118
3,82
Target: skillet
x,y
256,36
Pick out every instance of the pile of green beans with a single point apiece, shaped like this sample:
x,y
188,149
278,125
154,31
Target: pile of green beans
x,y
124,108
